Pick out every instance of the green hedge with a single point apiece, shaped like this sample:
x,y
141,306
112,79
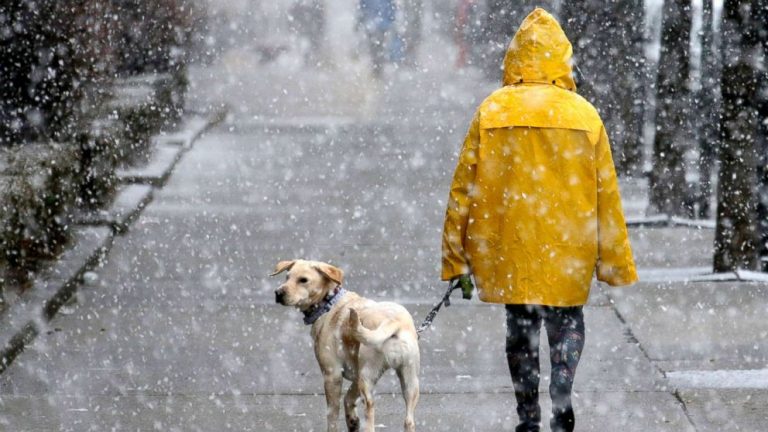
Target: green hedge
x,y
37,203
65,66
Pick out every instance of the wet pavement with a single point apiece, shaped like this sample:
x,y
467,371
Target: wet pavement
x,y
180,331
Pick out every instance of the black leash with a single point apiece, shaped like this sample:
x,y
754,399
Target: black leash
x,y
433,313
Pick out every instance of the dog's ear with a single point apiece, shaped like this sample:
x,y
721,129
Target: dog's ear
x,y
283,266
333,273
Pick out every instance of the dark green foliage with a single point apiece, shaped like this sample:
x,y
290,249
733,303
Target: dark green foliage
x,y
58,61
37,198
17,234
98,159
53,53
139,124
155,36
57,57
170,91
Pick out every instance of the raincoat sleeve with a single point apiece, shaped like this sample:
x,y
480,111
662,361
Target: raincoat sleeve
x,y
615,264
455,262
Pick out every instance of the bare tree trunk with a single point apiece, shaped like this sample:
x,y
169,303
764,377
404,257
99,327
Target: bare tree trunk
x,y
587,23
667,184
608,49
736,231
762,109
762,177
708,106
630,91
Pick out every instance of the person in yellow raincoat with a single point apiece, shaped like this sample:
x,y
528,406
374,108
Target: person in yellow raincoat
x,y
534,211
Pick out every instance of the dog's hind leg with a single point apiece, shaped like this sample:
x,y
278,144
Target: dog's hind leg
x,y
409,384
366,391
333,400
350,402
367,377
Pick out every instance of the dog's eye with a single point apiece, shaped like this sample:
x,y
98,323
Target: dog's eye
x,y
303,280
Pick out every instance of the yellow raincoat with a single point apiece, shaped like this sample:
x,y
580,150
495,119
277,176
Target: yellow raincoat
x,y
534,205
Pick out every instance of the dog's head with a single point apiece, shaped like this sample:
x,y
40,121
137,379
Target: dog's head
x,y
306,282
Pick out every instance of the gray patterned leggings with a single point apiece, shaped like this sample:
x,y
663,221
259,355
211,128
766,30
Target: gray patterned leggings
x,y
565,333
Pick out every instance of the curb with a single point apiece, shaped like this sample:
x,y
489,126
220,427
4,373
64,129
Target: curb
x,y
665,221
129,201
26,318
93,239
316,124
159,168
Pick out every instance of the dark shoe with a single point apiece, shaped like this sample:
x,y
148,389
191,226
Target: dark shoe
x,y
528,412
563,421
527,428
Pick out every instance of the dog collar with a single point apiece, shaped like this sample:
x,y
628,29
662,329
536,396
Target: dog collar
x,y
315,312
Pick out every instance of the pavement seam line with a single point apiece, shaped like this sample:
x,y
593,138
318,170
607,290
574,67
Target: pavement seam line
x,y
642,349
676,394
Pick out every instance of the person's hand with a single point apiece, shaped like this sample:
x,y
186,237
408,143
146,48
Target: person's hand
x,y
465,282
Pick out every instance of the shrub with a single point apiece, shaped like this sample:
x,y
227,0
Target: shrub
x,y
98,159
54,58
156,36
170,91
58,61
37,199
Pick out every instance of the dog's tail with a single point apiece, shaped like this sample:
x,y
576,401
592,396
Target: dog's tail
x,y
374,338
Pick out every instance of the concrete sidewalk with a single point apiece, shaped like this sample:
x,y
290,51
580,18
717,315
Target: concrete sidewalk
x,y
180,331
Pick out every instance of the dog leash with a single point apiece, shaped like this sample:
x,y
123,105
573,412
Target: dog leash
x,y
433,313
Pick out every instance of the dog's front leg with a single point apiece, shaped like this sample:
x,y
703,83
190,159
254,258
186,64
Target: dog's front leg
x,y
333,401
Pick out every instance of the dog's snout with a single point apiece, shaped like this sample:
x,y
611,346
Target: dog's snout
x,y
280,296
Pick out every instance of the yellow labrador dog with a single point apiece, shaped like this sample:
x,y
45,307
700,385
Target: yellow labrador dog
x,y
355,338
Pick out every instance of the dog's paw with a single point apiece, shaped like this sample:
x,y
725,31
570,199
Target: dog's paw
x,y
353,424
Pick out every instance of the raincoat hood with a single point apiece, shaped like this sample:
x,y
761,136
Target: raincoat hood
x,y
540,52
